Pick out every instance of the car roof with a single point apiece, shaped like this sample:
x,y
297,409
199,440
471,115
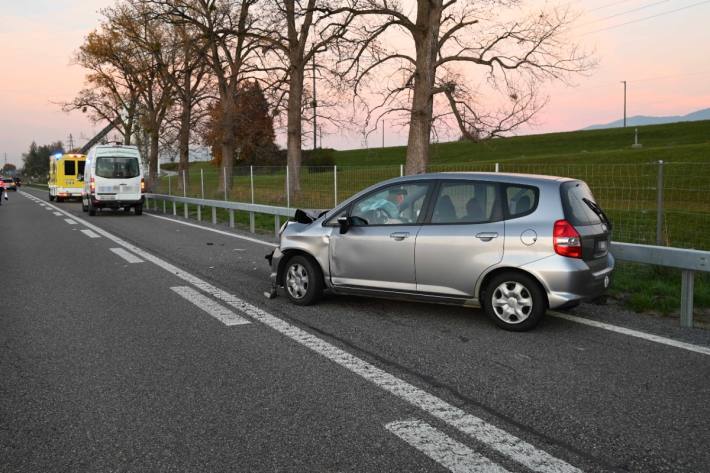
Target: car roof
x,y
509,177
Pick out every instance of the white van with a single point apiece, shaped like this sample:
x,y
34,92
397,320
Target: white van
x,y
113,178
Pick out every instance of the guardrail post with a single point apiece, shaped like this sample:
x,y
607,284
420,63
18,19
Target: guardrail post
x,y
686,299
174,208
277,225
335,185
164,209
214,215
401,170
199,213
231,218
497,167
659,206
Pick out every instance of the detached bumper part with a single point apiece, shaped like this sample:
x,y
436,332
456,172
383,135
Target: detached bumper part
x,y
272,293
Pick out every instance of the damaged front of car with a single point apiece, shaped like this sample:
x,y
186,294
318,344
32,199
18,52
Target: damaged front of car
x,y
304,236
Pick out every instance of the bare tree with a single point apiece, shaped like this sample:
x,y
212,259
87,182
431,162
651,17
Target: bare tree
x,y
431,49
293,33
113,83
223,25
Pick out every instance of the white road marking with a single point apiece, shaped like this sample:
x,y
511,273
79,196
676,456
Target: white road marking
x,y
441,448
58,214
70,221
498,439
218,311
90,234
48,208
633,333
130,257
221,232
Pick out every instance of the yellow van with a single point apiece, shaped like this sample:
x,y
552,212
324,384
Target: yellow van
x,y
65,174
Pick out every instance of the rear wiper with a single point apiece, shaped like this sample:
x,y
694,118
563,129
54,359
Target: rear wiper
x,y
597,210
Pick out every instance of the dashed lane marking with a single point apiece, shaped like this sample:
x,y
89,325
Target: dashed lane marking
x,y
218,311
70,221
129,257
90,234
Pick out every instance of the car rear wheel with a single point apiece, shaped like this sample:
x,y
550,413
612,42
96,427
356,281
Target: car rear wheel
x,y
139,209
51,198
515,302
92,209
303,280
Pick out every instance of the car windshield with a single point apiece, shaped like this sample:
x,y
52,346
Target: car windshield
x,y
117,167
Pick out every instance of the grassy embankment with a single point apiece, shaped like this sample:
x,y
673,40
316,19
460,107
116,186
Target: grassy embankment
x,y
623,179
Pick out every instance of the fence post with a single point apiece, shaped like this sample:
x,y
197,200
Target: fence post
x,y
184,192
497,167
170,180
686,299
335,185
225,182
251,214
659,205
288,190
202,184
401,170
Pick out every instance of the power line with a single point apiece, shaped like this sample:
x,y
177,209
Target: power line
x,y
612,4
647,18
642,7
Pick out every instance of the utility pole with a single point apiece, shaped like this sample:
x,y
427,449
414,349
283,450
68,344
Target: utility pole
x,y
71,143
315,104
624,82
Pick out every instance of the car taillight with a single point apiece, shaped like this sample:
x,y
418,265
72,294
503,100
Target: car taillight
x,y
142,185
566,240
92,185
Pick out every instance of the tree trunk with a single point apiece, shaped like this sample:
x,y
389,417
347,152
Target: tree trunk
x,y
184,138
153,158
293,143
227,101
426,41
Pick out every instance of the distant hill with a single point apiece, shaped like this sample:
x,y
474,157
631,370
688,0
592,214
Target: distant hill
x,y
640,120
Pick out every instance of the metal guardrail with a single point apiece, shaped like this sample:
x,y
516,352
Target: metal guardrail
x,y
687,260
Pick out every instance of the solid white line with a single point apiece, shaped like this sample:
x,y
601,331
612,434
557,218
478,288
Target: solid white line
x,y
70,221
221,232
218,311
505,443
441,448
130,257
90,234
633,333
58,214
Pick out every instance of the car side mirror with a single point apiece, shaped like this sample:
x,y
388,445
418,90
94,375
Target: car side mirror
x,y
80,178
344,223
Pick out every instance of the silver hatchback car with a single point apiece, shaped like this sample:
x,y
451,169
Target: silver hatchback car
x,y
512,244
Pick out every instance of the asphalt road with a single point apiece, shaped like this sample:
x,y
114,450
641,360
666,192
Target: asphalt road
x,y
178,363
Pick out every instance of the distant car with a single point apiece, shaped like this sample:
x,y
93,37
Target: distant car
x,y
514,244
9,183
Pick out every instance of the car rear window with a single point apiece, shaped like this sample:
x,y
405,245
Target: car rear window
x,y
69,167
577,212
117,167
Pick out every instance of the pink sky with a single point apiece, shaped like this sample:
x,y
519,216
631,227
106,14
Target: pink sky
x,y
666,61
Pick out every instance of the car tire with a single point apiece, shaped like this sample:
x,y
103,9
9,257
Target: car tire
x,y
84,208
514,301
139,209
51,198
91,209
303,280
59,199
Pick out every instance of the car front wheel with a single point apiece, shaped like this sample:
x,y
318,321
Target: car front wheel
x,y
303,280
515,302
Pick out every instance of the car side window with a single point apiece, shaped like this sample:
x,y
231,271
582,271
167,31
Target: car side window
x,y
521,200
397,204
466,202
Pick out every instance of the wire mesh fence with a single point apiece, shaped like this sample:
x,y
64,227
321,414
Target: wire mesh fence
x,y
649,203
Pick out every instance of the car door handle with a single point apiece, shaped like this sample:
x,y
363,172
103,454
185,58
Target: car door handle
x,y
399,236
486,236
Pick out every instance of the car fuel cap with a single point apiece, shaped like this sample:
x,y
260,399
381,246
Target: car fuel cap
x,y
528,237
